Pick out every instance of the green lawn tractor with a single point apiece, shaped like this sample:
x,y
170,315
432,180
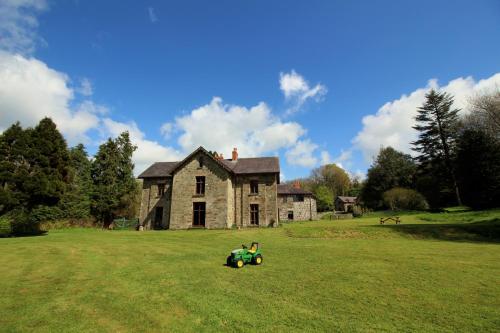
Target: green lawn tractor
x,y
240,257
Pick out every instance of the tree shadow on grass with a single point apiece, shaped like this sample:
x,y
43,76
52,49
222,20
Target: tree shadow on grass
x,y
483,231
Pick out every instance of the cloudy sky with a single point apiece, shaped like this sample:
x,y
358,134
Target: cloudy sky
x,y
313,82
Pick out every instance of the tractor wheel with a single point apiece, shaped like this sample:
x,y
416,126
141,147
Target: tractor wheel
x,y
229,261
257,260
239,263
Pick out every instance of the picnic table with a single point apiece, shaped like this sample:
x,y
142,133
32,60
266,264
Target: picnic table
x,y
390,218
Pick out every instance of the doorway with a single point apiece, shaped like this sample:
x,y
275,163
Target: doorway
x,y
198,214
158,218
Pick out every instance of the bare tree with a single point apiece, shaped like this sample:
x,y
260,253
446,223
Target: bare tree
x,y
485,112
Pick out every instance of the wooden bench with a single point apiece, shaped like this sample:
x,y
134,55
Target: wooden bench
x,y
393,218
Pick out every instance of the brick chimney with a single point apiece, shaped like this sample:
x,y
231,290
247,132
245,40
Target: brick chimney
x,y
235,154
296,184
221,157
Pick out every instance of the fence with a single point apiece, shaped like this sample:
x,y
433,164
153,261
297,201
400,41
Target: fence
x,y
124,224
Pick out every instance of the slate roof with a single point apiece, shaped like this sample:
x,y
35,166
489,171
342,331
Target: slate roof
x,y
347,199
159,169
253,165
241,166
289,189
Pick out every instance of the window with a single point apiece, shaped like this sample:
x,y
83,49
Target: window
x,y
254,187
198,214
290,214
161,190
254,214
200,185
298,198
200,162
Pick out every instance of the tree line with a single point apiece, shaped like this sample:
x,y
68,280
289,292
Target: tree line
x,y
42,179
456,162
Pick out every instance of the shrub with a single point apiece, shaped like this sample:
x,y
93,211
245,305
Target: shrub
x,y
5,226
21,223
404,199
357,211
46,213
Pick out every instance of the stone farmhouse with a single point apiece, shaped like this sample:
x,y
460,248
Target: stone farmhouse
x,y
206,191
295,203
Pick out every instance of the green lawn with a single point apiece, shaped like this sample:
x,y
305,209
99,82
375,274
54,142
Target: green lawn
x,y
435,272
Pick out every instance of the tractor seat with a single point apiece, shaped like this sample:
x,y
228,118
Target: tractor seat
x,y
252,249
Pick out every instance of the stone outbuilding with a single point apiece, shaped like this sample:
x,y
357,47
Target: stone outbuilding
x,y
345,204
295,203
208,191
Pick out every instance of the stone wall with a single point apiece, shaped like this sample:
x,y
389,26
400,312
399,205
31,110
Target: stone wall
x,y
215,197
266,198
150,200
302,210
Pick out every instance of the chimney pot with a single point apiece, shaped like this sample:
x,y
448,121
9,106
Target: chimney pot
x,y
234,156
296,184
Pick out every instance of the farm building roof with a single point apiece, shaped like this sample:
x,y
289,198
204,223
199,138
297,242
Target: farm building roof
x,y
289,189
240,166
347,199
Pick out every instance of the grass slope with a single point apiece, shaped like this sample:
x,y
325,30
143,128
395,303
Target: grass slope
x,y
435,272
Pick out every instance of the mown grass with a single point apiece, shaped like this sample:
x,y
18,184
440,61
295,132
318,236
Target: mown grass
x,y
434,272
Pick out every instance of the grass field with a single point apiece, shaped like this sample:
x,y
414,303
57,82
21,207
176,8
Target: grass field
x,y
433,273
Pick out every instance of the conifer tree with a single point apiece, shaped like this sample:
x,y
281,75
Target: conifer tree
x,y
112,175
76,201
437,124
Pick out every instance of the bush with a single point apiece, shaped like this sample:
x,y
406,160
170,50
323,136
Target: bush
x,y
404,199
357,211
46,213
5,226
20,223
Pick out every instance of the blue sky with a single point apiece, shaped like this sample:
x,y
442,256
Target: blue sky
x,y
313,81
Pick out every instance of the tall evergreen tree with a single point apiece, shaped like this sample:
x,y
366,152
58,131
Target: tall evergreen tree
x,y
112,175
437,123
49,165
14,167
76,201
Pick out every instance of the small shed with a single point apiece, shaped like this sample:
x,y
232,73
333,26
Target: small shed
x,y
342,203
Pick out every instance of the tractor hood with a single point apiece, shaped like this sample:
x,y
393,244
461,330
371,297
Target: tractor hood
x,y
236,251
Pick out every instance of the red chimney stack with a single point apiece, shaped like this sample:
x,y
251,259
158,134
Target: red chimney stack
x,y
235,154
296,184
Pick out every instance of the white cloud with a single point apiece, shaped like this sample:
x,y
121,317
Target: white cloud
x,y
221,127
30,90
302,154
167,130
392,124
325,158
297,90
85,88
152,15
148,151
18,25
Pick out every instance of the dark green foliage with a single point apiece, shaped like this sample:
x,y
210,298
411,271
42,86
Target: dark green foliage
x,y
76,201
14,167
437,124
48,165
113,179
390,169
34,174
46,213
404,199
478,160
